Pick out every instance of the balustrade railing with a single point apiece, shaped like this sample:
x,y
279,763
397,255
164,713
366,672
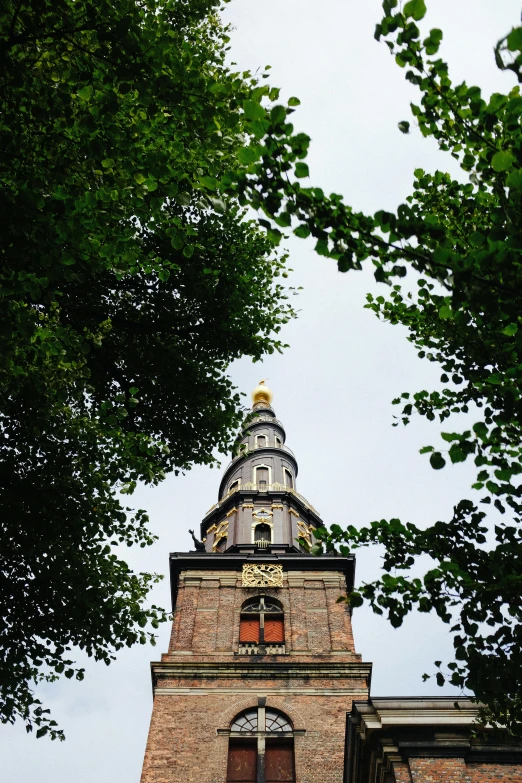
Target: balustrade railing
x,y
253,648
267,419
245,453
263,488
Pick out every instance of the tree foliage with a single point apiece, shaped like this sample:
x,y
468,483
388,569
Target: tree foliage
x,y
463,239
127,286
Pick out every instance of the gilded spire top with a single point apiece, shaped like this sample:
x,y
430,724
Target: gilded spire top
x,y
262,395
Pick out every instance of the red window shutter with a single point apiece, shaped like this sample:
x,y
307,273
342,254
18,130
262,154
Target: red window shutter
x,y
249,630
274,630
279,762
242,762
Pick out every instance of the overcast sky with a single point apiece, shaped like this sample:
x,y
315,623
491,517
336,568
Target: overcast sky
x,y
332,387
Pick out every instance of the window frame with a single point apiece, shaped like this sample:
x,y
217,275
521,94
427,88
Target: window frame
x,y
265,441
254,477
288,473
275,613
262,737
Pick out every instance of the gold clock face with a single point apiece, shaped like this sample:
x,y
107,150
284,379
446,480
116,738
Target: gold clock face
x,y
262,575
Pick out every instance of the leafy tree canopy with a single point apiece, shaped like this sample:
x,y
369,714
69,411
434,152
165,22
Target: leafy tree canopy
x,y
463,238
126,287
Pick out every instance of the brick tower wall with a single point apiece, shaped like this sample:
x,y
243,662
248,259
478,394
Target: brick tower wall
x,y
202,683
455,770
206,619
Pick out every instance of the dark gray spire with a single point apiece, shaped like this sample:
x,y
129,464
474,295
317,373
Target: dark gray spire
x,y
259,506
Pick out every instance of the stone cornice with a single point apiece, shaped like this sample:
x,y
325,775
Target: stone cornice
x,y
261,669
381,713
401,728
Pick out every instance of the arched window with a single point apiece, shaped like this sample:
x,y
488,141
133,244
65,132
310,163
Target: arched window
x,y
262,477
261,747
262,627
289,481
260,441
262,535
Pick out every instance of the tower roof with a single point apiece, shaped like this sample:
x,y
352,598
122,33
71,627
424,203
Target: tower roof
x,y
259,507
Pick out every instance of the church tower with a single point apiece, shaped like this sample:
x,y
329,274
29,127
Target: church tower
x,y
261,668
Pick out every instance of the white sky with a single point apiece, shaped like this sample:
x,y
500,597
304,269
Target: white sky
x,y
333,386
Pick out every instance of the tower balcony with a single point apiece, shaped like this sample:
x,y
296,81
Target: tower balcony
x,y
250,452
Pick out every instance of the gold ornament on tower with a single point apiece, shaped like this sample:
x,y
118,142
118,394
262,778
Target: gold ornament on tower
x,y
262,395
262,575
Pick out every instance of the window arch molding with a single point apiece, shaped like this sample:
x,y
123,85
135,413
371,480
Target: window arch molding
x,y
228,715
262,517
261,746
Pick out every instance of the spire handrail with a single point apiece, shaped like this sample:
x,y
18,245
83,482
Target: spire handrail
x,y
263,488
246,454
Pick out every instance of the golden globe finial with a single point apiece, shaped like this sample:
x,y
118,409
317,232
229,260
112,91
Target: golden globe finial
x,y
262,394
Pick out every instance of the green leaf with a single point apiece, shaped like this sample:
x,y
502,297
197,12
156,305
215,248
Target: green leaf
x,y
278,114
415,9
445,313
301,170
253,110
476,239
294,101
248,155
209,182
514,40
355,599
510,330
85,92
437,461
404,126
514,179
502,160
457,454
321,247
302,231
